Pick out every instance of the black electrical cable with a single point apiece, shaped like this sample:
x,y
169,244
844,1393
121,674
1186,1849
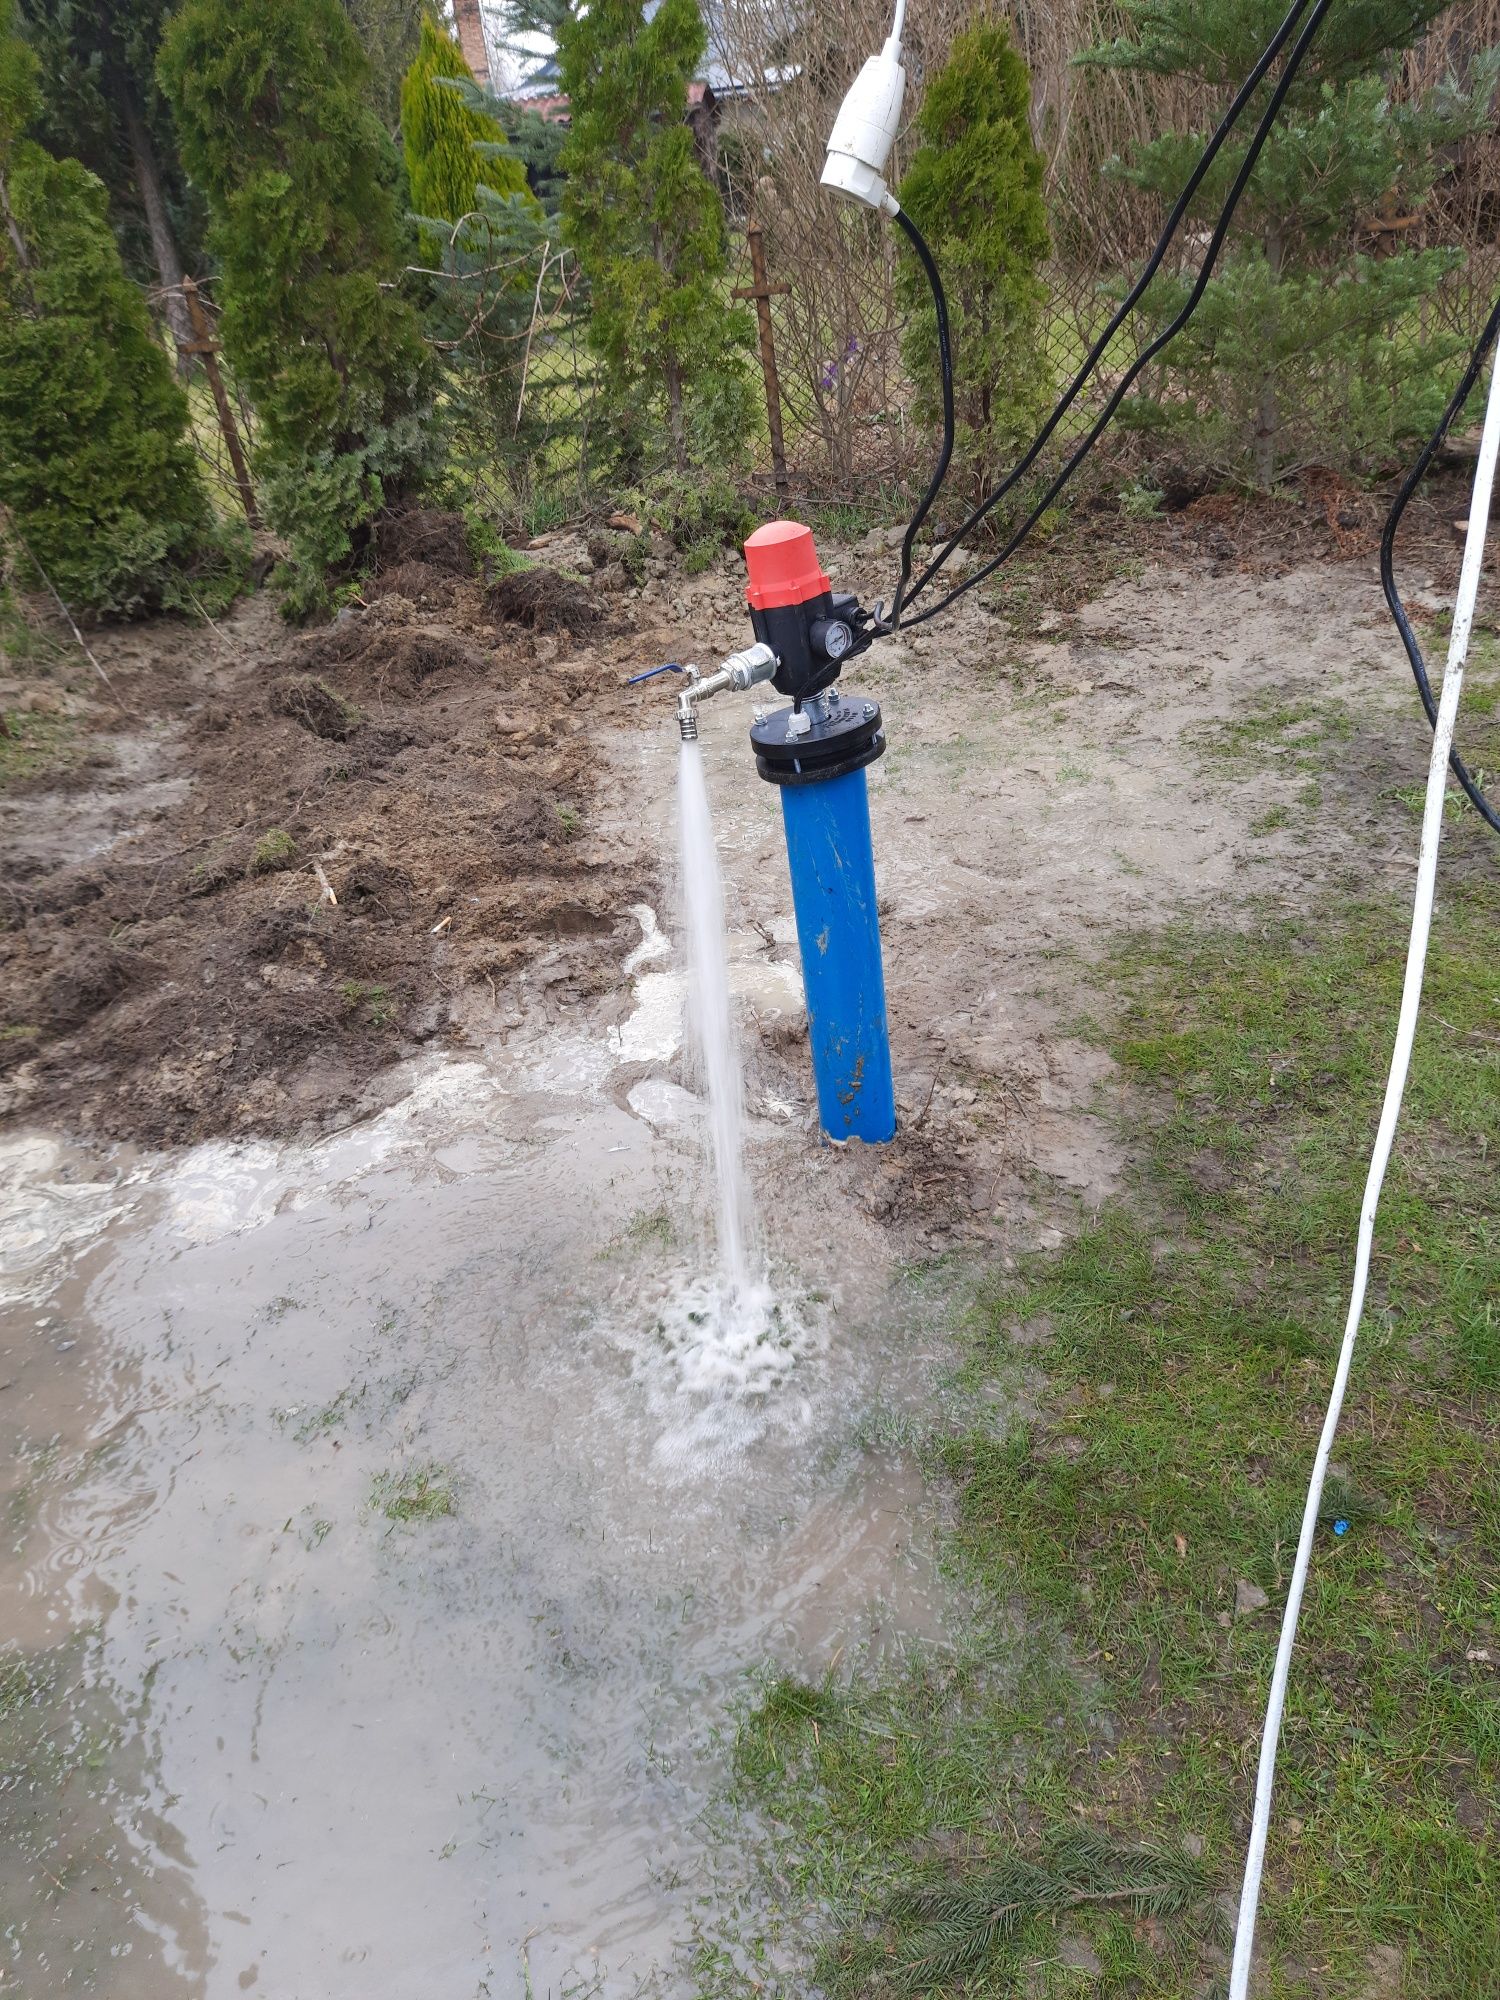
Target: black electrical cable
x,y
1409,486
1221,228
945,363
1210,153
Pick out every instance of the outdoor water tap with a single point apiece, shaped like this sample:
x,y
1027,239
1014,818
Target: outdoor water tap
x,y
740,671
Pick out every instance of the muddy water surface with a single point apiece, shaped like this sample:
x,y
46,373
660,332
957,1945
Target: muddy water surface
x,y
389,1538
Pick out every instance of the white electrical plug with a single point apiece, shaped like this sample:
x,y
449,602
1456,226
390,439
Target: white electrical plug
x,y
865,129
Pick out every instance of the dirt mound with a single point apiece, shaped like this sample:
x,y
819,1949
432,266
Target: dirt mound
x,y
427,535
386,821
85,975
420,583
314,706
417,656
544,600
384,652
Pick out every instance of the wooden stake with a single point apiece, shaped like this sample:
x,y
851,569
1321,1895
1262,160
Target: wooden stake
x,y
763,291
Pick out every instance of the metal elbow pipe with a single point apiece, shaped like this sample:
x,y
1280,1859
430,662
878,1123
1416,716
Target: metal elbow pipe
x,y
740,671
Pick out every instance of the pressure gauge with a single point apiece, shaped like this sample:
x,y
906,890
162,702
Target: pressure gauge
x,y
831,637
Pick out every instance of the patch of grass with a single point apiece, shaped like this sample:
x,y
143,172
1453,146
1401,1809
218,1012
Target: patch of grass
x,y
33,744
59,1741
24,643
1270,820
570,819
852,520
1455,805
503,560
1283,736
542,513
274,851
1186,1336
1141,500
416,1493
647,1229
332,1416
376,1001
632,552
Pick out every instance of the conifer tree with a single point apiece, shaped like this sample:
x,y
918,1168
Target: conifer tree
x,y
271,108
388,31
974,189
441,133
648,228
100,105
1306,344
96,469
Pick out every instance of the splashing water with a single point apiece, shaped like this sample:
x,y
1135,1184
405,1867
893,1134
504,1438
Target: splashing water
x,y
716,1350
710,1020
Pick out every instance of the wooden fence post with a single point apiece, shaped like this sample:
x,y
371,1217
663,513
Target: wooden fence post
x,y
206,348
762,291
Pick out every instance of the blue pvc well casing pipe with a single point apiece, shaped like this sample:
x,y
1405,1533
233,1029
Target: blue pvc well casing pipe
x,y
832,862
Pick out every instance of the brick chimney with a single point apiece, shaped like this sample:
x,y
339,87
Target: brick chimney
x,y
471,39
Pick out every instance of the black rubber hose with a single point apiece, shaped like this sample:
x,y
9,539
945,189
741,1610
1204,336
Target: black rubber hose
x,y
1216,242
1409,486
1210,153
945,363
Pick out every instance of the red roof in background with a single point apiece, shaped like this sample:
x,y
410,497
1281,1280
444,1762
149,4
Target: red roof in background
x,y
551,110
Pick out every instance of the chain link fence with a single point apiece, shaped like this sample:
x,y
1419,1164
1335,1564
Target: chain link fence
x,y
850,428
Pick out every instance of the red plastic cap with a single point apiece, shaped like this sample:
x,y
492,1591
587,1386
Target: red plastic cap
x,y
783,566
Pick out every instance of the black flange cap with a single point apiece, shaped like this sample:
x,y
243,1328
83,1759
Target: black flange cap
x,y
845,741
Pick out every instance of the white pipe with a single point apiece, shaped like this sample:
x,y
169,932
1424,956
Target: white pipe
x,y
1406,1027
898,24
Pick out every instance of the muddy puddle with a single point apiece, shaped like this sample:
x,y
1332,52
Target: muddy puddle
x,y
390,1535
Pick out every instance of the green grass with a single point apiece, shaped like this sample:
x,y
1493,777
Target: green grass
x,y
852,520
337,1415
1271,820
1141,500
1478,733
1279,736
647,1229
274,851
1186,1336
32,744
377,1002
416,1493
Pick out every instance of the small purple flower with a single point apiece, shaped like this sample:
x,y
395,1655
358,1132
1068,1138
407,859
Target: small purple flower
x,y
852,347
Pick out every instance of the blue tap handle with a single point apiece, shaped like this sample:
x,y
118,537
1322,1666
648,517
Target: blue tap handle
x,y
650,674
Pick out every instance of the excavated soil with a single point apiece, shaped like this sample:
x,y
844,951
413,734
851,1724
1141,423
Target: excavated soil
x,y
284,856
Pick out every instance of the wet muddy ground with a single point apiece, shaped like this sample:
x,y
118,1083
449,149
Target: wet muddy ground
x,y
388,1542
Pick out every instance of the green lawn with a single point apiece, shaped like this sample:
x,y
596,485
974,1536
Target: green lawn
x,y
1065,1805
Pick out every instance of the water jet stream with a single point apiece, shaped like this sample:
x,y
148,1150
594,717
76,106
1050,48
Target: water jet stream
x,y
710,1022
